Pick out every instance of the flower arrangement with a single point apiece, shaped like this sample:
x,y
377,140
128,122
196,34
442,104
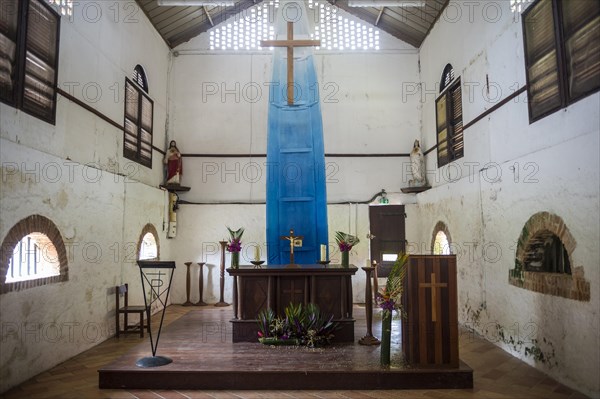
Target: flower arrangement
x,y
302,325
345,241
235,240
390,297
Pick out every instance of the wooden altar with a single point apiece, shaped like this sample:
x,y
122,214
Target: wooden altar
x,y
430,334
275,286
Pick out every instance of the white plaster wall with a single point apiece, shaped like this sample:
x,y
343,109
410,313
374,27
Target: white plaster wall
x,y
510,171
74,174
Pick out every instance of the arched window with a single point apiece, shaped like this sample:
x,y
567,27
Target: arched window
x,y
139,77
33,254
440,241
441,245
449,119
148,243
447,77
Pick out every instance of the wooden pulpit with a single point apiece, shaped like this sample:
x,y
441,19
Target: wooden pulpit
x,y
430,332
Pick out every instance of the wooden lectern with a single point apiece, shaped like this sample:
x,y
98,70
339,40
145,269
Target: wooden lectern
x,y
430,332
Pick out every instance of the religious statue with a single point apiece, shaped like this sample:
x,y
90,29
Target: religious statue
x,y
417,166
174,164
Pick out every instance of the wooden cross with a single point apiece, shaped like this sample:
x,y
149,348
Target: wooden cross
x,y
290,43
434,287
293,291
294,241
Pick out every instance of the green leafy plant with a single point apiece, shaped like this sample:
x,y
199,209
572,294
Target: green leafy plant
x,y
302,325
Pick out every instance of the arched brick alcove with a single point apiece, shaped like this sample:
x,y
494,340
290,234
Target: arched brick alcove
x,y
29,225
540,226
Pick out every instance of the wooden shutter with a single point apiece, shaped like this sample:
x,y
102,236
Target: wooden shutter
x,y
442,130
139,110
132,100
541,60
581,29
41,60
456,123
146,131
9,16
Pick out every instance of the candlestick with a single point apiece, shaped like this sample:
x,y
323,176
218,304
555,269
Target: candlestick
x,y
222,276
257,253
200,285
369,339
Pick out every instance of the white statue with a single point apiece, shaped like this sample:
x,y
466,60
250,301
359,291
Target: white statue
x,y
417,167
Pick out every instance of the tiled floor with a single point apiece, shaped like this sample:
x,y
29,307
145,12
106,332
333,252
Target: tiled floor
x,y
496,374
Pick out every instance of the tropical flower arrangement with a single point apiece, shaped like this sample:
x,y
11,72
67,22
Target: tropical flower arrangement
x,y
389,298
345,241
235,246
235,240
301,326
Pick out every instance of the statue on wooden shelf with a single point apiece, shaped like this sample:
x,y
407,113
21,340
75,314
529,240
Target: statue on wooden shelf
x,y
417,166
174,164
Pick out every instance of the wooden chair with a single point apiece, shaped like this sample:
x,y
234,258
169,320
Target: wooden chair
x,y
125,310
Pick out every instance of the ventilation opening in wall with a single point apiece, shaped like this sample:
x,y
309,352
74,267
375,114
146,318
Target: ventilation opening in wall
x,y
545,252
33,257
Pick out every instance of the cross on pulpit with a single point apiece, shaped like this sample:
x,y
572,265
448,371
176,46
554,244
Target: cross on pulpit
x,y
434,287
295,241
290,43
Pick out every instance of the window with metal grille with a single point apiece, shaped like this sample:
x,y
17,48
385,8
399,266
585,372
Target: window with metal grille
x,y
33,257
562,53
137,138
139,77
29,35
449,122
447,77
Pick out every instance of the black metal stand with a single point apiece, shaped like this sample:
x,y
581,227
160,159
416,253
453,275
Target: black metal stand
x,y
151,273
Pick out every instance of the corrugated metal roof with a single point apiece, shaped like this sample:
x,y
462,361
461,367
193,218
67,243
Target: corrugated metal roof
x,y
178,24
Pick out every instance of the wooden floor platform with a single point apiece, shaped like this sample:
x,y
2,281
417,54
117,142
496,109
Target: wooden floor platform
x,y
204,357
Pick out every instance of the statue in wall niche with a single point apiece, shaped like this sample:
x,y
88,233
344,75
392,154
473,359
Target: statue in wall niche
x,y
174,164
417,166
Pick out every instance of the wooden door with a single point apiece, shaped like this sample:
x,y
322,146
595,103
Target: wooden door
x,y
388,228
